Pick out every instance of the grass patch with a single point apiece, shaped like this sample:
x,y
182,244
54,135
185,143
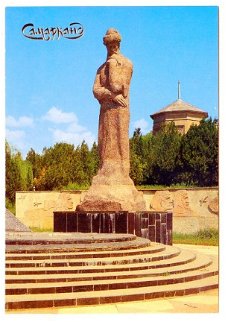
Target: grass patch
x,y
207,237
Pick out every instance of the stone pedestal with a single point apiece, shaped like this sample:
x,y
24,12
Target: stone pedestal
x,y
155,226
115,197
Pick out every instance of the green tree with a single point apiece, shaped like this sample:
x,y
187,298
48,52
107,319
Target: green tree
x,y
12,174
63,165
94,158
199,152
164,161
36,161
25,171
57,166
86,161
78,176
136,169
148,142
137,163
19,175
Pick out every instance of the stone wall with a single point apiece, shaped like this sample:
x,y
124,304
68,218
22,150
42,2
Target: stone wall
x,y
35,209
193,209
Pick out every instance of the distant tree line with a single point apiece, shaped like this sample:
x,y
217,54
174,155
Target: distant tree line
x,y
166,158
169,158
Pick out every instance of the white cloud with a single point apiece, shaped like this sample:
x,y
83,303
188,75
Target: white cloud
x,y
72,132
17,132
142,124
75,127
73,137
22,121
57,116
65,128
14,135
16,138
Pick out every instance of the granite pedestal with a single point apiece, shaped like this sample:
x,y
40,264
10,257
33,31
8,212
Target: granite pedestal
x,y
155,226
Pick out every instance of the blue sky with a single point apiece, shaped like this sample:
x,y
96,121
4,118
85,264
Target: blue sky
x,y
49,83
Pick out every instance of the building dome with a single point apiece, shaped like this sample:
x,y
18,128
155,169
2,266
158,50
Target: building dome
x,y
183,115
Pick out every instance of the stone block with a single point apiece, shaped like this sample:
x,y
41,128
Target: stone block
x,y
121,222
96,222
60,222
158,231
71,222
152,233
84,222
131,223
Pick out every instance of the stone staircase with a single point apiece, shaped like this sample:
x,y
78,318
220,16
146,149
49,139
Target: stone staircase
x,y
53,270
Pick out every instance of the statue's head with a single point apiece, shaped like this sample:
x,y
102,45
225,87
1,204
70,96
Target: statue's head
x,y
112,35
112,41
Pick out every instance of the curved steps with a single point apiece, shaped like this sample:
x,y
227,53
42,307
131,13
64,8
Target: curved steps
x,y
75,275
193,264
169,252
53,244
72,253
170,261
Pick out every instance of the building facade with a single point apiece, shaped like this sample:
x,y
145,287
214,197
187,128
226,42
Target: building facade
x,y
183,115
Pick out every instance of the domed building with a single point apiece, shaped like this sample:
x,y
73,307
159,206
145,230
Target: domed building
x,y
181,113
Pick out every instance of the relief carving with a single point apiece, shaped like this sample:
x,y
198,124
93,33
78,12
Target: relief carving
x,y
36,204
203,200
181,203
162,201
213,206
64,202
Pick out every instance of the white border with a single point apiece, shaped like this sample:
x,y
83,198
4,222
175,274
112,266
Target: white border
x,y
223,107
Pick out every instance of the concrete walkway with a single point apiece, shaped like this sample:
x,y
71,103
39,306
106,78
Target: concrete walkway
x,y
205,302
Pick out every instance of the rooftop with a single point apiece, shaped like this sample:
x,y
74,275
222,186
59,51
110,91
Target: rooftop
x,y
180,105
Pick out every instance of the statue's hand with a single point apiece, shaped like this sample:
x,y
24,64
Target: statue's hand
x,y
120,100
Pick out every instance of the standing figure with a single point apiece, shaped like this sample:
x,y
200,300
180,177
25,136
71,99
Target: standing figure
x,y
111,89
112,188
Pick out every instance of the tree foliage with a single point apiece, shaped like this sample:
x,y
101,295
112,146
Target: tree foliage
x,y
165,157
168,158
19,174
136,157
63,164
199,152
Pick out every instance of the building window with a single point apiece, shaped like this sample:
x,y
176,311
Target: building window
x,y
180,129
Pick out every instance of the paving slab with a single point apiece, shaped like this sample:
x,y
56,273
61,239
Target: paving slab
x,y
205,302
207,250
